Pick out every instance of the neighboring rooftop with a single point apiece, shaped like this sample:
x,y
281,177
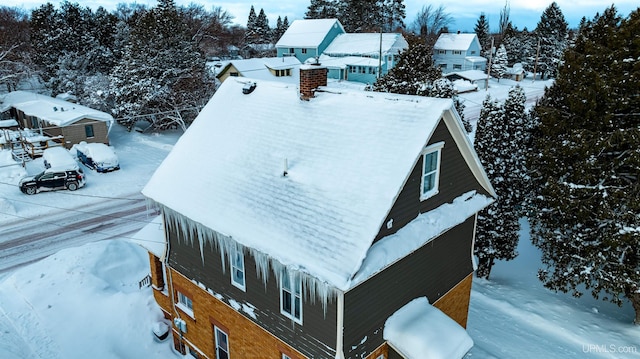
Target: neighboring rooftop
x,y
370,44
258,68
449,41
307,33
53,110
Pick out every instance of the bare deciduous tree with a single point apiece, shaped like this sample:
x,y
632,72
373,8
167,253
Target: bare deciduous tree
x,y
430,21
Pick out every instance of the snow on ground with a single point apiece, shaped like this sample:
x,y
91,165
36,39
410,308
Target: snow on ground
x,y
85,301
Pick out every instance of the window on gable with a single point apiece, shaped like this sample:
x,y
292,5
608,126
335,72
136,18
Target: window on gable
x,y
237,269
430,170
291,297
473,52
88,130
292,50
304,51
222,344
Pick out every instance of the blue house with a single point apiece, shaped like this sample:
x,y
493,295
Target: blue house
x,y
458,52
307,39
361,57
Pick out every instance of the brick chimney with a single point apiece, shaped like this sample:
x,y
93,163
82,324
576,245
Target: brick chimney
x,y
311,76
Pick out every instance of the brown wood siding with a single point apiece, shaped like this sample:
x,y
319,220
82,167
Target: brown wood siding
x,y
430,271
314,338
75,133
455,179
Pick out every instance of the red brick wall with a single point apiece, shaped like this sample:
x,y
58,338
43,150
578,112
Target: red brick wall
x,y
246,339
310,78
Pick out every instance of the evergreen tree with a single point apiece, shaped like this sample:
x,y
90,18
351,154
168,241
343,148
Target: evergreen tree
x,y
162,70
393,13
482,31
551,33
322,9
251,36
414,74
361,15
499,63
501,143
512,45
586,165
263,32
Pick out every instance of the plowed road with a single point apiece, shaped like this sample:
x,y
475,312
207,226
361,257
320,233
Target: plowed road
x,y
27,240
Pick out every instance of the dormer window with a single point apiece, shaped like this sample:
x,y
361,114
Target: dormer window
x,y
430,170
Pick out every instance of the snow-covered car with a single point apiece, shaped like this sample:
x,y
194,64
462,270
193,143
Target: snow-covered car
x,y
53,179
97,156
58,157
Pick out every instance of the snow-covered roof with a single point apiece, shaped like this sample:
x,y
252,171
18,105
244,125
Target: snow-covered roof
x,y
450,41
307,33
258,68
366,44
151,237
343,62
8,123
52,110
419,330
347,155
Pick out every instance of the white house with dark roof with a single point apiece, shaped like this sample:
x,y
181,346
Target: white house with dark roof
x,y
319,213
458,52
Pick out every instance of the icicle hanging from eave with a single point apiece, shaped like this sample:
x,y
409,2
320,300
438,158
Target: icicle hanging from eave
x,y
312,286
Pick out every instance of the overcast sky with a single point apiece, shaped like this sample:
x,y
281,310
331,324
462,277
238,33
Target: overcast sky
x,y
524,13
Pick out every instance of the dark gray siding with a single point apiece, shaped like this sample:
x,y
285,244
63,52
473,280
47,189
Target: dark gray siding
x,y
394,354
455,179
314,338
430,271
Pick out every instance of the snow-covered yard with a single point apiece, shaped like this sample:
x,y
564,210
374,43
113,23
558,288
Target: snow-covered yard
x,y
85,301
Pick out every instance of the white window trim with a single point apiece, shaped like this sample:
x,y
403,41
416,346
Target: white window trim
x,y
436,147
242,286
183,306
293,281
285,356
215,334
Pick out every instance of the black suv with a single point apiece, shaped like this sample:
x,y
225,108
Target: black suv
x,y
53,179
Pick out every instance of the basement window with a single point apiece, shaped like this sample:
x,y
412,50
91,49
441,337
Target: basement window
x,y
431,156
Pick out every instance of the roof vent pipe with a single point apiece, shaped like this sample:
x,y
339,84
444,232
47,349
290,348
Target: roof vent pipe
x,y
286,168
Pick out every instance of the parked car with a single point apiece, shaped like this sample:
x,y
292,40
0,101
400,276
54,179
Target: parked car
x,y
52,179
58,157
97,156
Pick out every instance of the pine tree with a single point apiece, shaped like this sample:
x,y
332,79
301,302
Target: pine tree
x,y
322,9
551,33
393,14
251,35
501,143
413,74
361,15
482,31
499,63
586,164
262,30
162,69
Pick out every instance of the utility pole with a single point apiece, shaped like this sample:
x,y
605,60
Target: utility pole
x,y
380,56
535,66
486,85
